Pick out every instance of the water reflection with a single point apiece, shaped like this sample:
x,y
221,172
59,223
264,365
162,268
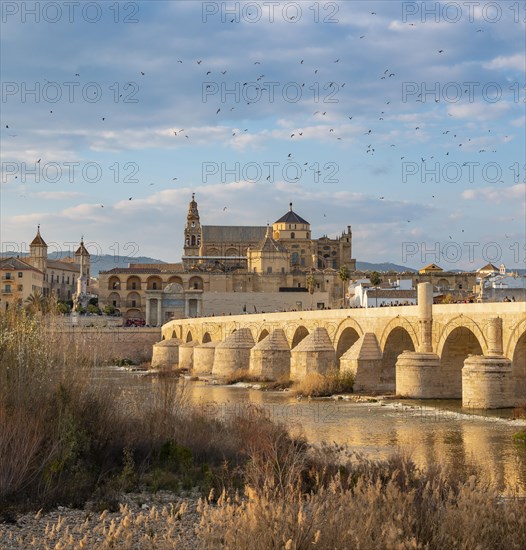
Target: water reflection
x,y
431,432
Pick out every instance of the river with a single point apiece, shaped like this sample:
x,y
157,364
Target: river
x,y
429,431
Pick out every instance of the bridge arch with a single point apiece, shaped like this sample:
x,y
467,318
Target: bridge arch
x,y
398,340
459,344
347,337
189,337
174,334
399,322
263,334
206,338
461,321
300,333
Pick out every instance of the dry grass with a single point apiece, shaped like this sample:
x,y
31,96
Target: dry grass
x,y
319,385
372,507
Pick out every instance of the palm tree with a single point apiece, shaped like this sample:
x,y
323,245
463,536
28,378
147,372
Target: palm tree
x,y
344,275
36,302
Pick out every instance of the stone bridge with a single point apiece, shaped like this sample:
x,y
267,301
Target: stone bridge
x,y
476,352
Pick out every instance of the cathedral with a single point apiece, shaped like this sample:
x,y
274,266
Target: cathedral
x,y
231,270
288,243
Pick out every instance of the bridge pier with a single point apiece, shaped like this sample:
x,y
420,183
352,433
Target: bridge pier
x,y
204,358
165,354
315,353
417,371
270,358
186,355
233,353
417,375
364,360
487,380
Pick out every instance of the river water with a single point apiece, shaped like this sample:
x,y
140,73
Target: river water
x,y
430,432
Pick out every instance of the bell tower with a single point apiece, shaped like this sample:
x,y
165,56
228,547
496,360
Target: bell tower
x,y
38,252
192,231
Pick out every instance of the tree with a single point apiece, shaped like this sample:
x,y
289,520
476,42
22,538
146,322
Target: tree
x,y
375,281
344,275
93,309
109,309
37,302
63,308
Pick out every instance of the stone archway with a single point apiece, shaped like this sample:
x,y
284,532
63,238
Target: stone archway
x,y
460,343
345,341
263,335
300,333
206,338
189,337
398,341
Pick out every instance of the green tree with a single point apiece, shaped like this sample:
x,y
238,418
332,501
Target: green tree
x,y
63,308
93,309
109,309
344,275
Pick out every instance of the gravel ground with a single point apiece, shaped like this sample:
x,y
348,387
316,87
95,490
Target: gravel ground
x,y
157,521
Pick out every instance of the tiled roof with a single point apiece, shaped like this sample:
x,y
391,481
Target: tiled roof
x,y
64,266
17,264
291,217
232,234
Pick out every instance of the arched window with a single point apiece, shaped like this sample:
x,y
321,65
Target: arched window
x,y
292,235
193,240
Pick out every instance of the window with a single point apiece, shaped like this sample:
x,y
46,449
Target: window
x,y
193,240
8,276
269,270
292,235
187,242
68,279
294,258
154,286
282,270
134,286
303,262
114,303
63,279
20,274
134,303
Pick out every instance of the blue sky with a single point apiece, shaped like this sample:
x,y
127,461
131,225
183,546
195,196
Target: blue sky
x,y
405,120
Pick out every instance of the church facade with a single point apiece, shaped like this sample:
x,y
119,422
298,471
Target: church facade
x,y
234,269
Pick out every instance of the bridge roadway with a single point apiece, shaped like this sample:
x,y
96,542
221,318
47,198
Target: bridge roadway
x,y
417,351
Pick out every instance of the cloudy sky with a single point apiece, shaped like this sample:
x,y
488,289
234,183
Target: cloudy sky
x,y
405,120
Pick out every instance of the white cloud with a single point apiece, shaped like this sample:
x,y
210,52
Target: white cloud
x,y
496,194
517,62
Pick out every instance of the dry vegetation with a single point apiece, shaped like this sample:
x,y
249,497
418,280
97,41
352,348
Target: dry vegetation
x,y
65,440
319,385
